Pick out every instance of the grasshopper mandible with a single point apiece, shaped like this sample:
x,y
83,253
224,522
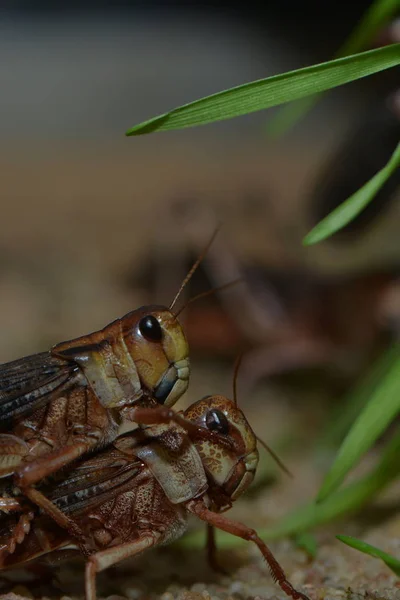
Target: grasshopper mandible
x,y
125,503
57,405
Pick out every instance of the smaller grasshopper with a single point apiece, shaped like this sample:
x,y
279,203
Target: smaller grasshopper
x,y
137,493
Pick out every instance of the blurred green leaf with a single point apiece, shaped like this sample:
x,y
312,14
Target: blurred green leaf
x,y
307,542
389,560
350,208
272,91
351,405
382,408
375,18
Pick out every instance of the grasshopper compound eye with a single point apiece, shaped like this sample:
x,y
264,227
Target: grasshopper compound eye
x,y
150,329
217,421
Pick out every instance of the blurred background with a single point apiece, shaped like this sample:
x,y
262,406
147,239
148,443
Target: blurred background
x,y
95,224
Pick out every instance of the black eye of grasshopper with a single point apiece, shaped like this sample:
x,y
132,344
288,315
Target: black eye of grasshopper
x,y
217,421
150,329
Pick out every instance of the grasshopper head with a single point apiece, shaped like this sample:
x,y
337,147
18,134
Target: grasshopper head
x,y
230,464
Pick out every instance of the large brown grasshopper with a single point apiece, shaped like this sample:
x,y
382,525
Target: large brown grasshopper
x,y
57,405
137,493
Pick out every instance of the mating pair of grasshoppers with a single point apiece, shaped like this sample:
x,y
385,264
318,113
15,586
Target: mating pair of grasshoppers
x,y
72,486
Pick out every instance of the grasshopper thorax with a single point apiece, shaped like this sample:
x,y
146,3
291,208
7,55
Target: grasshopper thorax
x,y
143,353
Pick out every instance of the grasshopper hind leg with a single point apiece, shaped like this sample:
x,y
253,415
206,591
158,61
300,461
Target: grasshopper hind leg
x,y
106,558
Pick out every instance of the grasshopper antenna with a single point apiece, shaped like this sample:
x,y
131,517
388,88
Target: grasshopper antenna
x,y
194,268
275,457
208,293
236,368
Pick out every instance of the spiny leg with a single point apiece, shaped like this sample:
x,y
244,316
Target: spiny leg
x,y
246,533
102,560
20,531
22,527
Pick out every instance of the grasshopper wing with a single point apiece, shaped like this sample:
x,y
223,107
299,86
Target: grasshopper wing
x,y
29,383
93,480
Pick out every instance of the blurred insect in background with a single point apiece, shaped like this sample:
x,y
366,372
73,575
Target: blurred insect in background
x,y
293,317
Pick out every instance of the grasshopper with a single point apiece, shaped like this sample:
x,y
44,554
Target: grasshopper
x,y
57,405
137,493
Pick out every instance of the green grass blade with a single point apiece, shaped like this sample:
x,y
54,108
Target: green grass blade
x,y
350,208
353,403
338,505
392,562
370,424
265,93
375,18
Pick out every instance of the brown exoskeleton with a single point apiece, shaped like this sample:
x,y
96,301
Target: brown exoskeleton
x,y
125,504
57,405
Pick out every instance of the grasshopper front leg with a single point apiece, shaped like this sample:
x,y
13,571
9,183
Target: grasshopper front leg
x,y
198,508
164,415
